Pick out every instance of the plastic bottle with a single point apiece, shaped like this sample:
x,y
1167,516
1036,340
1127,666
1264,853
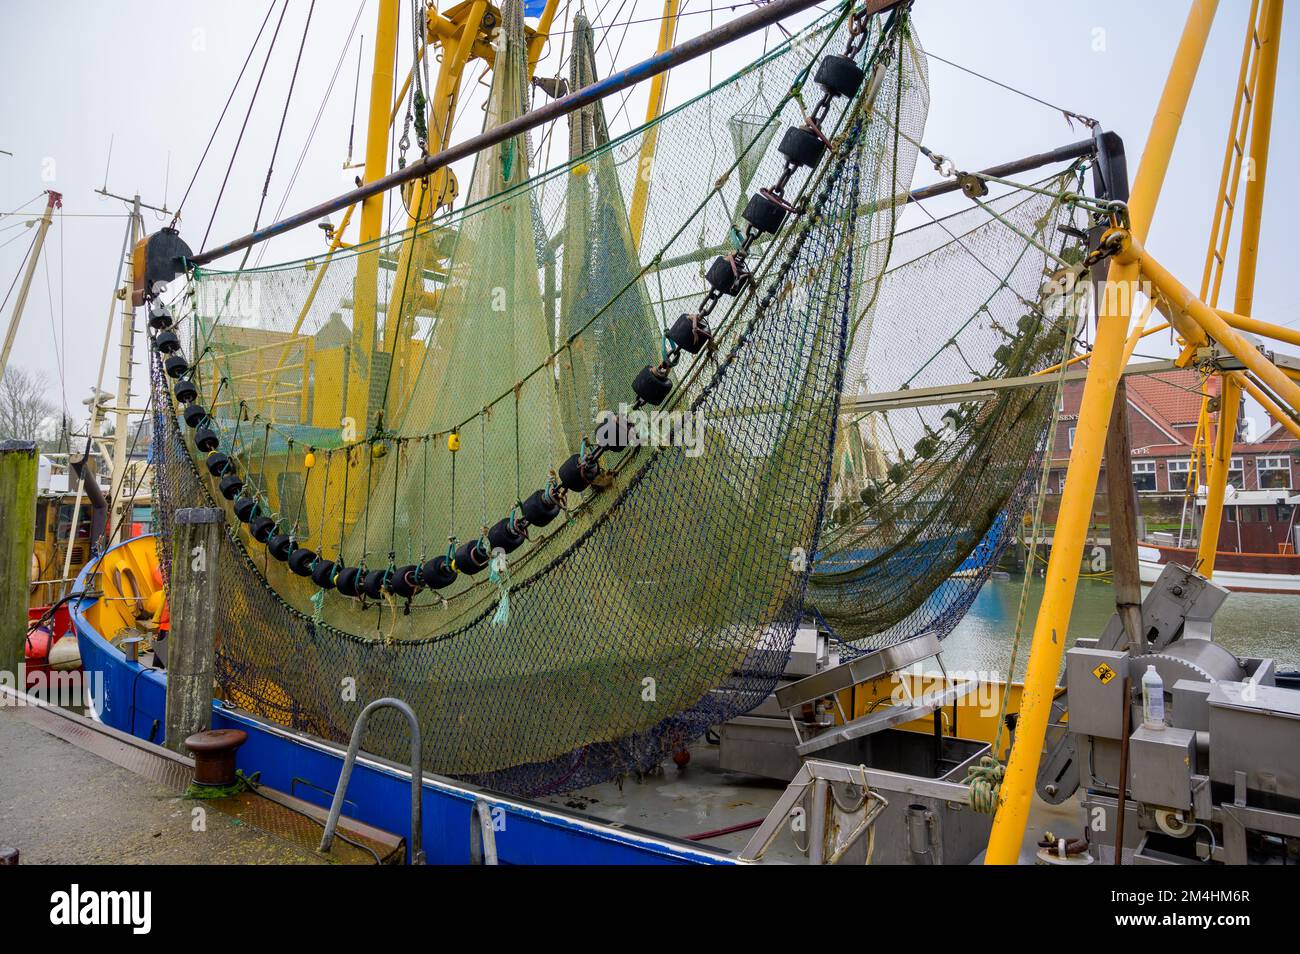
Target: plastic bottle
x,y
1153,699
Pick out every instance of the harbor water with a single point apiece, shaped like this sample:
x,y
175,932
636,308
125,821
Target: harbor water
x,y
1248,624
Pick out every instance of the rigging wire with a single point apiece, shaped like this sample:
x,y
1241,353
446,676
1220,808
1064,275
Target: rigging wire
x,y
320,112
1068,113
63,311
21,266
613,67
24,204
11,240
229,99
356,87
726,7
288,98
242,129
54,333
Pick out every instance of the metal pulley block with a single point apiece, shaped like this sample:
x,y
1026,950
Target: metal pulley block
x,y
972,186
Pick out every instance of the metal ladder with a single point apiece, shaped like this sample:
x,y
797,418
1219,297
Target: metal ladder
x,y
354,746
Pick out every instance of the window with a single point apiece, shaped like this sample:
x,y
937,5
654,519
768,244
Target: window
x,y
1274,472
1236,473
1144,475
1180,472
1072,438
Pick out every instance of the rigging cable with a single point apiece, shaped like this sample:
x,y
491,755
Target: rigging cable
x,y
25,204
21,266
242,129
288,98
229,99
356,89
54,333
320,112
1068,113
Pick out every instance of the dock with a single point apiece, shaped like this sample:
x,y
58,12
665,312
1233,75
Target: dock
x,y
74,792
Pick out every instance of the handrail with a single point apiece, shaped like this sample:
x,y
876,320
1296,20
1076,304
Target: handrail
x,y
417,789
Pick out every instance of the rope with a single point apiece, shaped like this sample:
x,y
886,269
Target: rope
x,y
985,779
985,782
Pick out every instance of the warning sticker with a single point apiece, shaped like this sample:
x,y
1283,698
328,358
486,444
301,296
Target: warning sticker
x,y
1104,673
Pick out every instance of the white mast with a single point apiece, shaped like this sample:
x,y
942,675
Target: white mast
x,y
55,201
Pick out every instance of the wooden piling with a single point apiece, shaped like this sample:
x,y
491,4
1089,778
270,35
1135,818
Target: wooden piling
x,y
1121,499
18,467
197,537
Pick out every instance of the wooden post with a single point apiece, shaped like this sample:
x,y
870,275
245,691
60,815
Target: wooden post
x,y
191,647
1121,499
18,466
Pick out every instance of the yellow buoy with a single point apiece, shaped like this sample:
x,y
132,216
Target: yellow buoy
x,y
453,441
309,460
153,603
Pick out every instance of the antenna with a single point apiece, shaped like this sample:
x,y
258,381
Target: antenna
x,y
133,200
107,163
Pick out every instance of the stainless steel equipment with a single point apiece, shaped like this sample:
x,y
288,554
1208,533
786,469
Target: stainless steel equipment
x,y
1218,780
864,776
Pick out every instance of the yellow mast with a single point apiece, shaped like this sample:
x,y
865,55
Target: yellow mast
x,y
1267,36
1085,460
372,217
1198,325
464,33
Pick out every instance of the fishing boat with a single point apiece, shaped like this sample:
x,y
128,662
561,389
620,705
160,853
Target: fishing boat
x,y
645,487
1256,549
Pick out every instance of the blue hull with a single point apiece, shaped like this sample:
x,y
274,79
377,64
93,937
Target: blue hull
x,y
132,699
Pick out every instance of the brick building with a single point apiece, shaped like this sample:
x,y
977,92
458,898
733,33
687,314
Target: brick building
x,y
1162,414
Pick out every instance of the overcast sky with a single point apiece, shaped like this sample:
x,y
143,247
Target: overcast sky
x,y
151,78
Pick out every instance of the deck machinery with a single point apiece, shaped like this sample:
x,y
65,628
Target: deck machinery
x,y
1219,779
1217,782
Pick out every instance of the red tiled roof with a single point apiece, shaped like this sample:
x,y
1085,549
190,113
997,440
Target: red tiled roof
x,y
1173,397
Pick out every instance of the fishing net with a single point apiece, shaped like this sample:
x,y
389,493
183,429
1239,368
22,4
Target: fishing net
x,y
388,403
929,490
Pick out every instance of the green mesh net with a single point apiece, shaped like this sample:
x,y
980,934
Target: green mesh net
x,y
927,492
384,405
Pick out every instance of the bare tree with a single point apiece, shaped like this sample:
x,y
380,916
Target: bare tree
x,y
23,405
